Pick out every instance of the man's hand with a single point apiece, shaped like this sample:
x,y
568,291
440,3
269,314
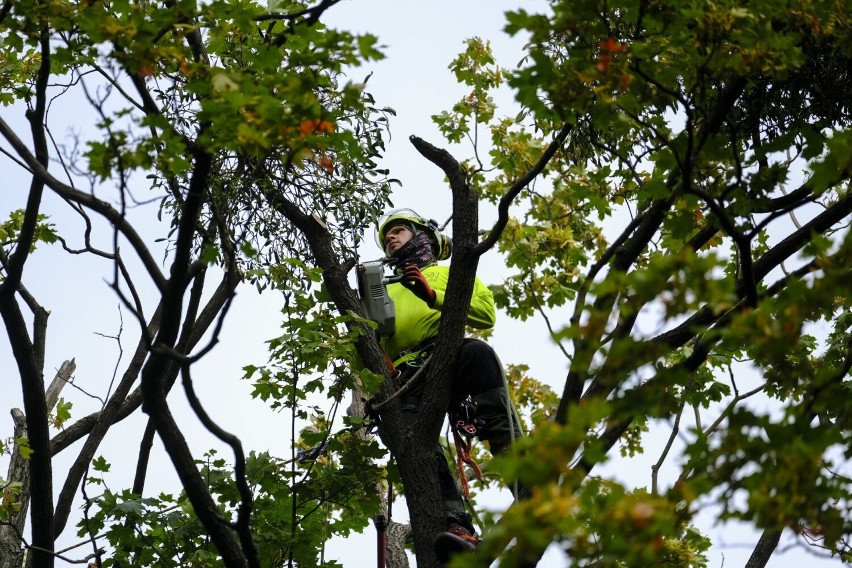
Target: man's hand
x,y
414,280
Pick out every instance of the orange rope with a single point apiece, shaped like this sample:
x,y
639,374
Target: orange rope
x,y
388,362
463,447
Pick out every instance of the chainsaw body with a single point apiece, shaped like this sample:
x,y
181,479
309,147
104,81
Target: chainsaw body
x,y
372,288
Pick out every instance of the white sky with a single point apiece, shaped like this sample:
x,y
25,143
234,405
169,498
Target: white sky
x,y
421,39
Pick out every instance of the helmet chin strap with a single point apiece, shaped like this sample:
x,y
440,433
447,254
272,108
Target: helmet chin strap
x,y
417,251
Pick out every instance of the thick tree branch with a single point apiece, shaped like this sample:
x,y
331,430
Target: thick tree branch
x,y
766,545
586,346
722,108
742,242
798,239
246,497
164,356
436,398
25,351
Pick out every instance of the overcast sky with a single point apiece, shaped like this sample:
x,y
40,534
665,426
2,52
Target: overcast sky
x,y
420,39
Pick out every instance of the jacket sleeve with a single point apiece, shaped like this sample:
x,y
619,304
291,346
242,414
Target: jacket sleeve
x,y
482,313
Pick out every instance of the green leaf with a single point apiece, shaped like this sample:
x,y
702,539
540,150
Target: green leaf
x,y
100,464
23,446
62,413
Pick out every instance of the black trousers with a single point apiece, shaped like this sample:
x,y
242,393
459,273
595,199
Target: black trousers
x,y
477,372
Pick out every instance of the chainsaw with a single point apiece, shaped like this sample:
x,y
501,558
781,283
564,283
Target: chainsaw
x,y
377,305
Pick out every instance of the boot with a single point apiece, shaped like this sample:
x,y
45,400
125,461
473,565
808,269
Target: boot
x,y
459,537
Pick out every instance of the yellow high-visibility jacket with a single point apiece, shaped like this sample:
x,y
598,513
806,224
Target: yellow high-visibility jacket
x,y
416,321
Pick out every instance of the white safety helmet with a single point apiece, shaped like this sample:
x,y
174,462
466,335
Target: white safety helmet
x,y
442,245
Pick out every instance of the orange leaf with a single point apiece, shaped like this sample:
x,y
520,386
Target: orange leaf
x,y
326,163
307,127
612,46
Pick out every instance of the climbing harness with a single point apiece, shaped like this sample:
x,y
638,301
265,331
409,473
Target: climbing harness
x,y
465,426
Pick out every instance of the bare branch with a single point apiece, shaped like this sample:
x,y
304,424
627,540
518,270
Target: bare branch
x,y
246,498
517,187
313,13
103,208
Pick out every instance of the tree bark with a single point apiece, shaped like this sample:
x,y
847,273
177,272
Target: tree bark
x,y
765,547
11,534
398,534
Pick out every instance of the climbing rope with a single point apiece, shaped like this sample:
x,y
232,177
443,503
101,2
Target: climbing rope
x,y
464,443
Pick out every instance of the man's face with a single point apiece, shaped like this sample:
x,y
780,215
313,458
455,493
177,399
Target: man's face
x,y
395,237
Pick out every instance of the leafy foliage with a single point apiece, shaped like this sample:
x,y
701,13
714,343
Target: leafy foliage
x,y
233,126
686,243
297,505
666,236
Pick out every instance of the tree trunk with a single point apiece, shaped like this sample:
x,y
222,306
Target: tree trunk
x,y
11,534
422,495
396,534
11,553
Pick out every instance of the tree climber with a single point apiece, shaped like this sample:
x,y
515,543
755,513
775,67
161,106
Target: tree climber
x,y
414,245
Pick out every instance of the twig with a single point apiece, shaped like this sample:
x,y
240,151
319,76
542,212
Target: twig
x,y
655,469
